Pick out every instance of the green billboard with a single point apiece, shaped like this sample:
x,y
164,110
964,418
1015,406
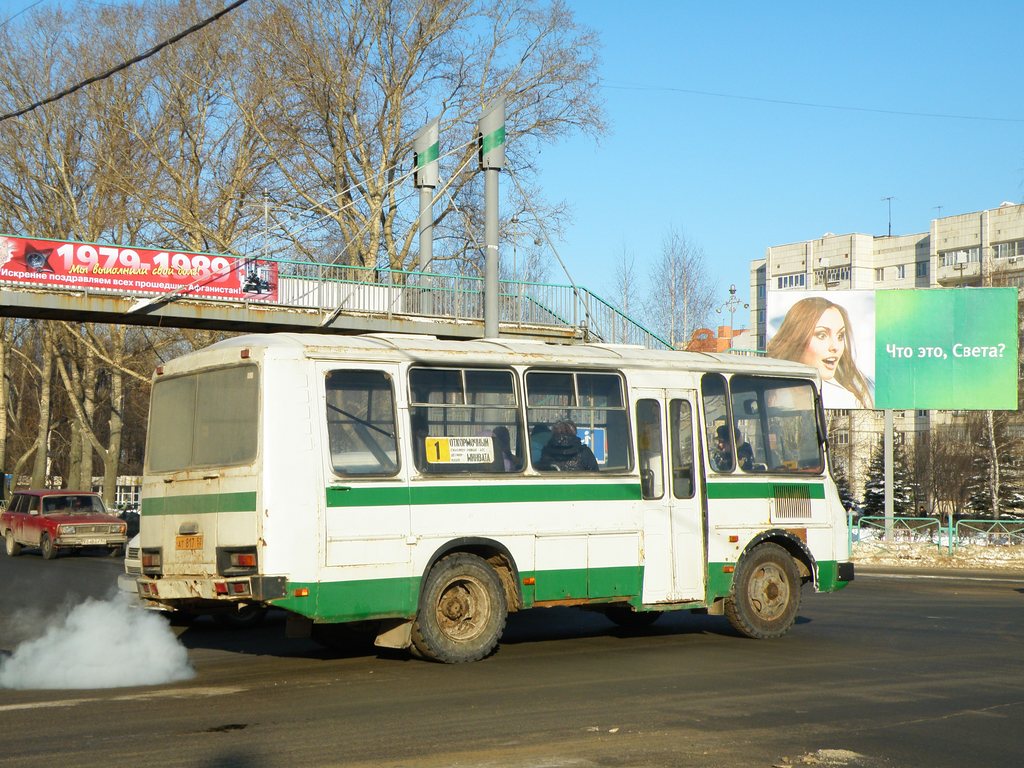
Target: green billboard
x,y
946,349
926,349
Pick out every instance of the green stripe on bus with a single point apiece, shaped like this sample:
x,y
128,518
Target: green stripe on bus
x,y
763,490
200,504
481,493
354,496
337,601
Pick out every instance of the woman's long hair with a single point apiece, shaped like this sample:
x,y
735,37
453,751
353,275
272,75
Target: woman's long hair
x,y
790,342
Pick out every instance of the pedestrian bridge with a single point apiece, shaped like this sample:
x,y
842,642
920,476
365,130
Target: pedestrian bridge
x,y
327,298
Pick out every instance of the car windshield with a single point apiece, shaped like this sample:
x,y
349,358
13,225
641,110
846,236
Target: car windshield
x,y
72,505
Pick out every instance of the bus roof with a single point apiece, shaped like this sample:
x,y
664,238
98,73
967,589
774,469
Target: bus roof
x,y
506,351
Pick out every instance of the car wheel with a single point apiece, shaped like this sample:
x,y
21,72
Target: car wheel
x,y
12,547
46,545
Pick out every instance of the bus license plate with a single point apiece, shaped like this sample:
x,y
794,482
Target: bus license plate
x,y
189,542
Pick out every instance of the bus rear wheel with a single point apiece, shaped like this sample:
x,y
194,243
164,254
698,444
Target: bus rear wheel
x,y
462,610
766,593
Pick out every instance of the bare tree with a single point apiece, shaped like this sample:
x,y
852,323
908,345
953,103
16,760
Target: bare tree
x,y
349,82
627,283
284,128
682,294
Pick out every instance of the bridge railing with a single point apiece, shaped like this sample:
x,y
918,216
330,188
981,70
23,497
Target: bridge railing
x,y
339,288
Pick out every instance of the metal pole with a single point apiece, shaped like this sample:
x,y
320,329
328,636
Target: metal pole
x,y
425,160
491,139
887,447
426,248
491,256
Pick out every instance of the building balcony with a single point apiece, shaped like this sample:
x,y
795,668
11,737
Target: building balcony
x,y
954,275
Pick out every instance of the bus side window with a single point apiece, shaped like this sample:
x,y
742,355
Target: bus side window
x,y
649,448
361,423
680,415
465,420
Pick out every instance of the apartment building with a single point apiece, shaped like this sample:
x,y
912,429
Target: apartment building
x,y
983,248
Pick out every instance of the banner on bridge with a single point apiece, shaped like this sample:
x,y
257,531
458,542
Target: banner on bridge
x,y
60,264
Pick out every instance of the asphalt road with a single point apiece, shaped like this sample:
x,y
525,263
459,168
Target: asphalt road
x,y
897,670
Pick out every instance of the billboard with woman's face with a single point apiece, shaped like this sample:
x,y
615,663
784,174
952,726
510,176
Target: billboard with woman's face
x,y
928,349
833,331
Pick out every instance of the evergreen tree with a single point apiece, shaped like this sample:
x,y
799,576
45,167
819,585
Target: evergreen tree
x,y
843,486
903,488
1011,471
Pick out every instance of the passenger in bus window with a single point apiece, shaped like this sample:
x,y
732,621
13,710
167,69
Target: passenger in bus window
x,y
565,452
721,456
503,447
744,454
538,439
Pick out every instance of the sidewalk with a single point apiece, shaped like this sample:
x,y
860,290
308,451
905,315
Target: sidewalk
x,y
937,572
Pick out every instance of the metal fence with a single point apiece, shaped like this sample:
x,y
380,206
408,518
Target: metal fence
x,y
931,530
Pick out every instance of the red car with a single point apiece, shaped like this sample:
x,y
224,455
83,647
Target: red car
x,y
58,520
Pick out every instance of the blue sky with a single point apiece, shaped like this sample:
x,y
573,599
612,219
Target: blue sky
x,y
754,167
822,110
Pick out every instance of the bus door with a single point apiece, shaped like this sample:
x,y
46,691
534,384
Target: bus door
x,y
673,522
367,510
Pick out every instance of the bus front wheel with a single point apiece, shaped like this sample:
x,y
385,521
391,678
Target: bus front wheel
x,y
462,610
766,593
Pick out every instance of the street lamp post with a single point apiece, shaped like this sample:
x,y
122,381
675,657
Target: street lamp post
x,y
732,303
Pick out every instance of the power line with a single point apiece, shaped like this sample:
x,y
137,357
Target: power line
x,y
141,57
810,104
26,9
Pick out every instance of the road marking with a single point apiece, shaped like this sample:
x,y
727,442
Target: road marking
x,y
170,693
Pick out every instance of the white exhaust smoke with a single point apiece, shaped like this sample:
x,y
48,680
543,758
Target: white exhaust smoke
x,y
99,644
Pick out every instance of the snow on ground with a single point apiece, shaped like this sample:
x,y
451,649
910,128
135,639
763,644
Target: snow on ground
x,y
924,554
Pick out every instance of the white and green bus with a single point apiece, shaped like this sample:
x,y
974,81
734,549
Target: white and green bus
x,y
418,490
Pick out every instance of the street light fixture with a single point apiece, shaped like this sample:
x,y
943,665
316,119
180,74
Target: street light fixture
x,y
732,303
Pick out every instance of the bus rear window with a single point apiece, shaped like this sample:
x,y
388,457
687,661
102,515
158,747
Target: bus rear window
x,y
206,419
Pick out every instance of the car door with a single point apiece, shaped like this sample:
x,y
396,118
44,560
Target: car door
x,y
29,520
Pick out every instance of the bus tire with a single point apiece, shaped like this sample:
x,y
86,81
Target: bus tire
x,y
765,593
630,619
12,547
46,546
462,610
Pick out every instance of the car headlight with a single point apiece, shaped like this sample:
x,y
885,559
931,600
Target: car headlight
x,y
65,530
